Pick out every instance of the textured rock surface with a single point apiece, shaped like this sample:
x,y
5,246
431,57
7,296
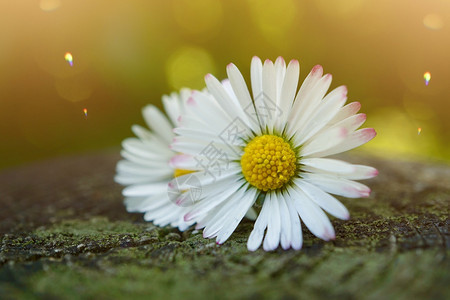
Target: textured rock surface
x,y
65,234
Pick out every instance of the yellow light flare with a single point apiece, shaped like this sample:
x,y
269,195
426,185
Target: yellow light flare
x,y
427,77
187,66
85,112
419,130
69,58
433,21
49,5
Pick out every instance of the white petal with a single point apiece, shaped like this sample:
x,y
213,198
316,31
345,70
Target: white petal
x,y
142,133
308,98
137,147
151,163
184,162
287,95
352,123
184,182
195,134
125,166
146,203
338,186
267,118
346,111
353,140
296,227
362,172
213,197
274,226
138,204
222,215
227,103
234,218
209,113
311,79
321,143
156,120
329,165
144,189
256,76
172,107
327,109
251,214
170,215
280,71
285,217
240,89
181,223
257,234
163,215
324,200
126,179
338,168
203,147
313,217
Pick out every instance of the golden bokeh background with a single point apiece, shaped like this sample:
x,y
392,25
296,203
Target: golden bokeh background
x,y
129,53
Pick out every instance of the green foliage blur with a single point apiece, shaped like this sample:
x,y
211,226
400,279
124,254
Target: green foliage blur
x,y
127,54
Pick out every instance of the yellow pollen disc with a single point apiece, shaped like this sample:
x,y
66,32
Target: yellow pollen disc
x,y
181,172
269,162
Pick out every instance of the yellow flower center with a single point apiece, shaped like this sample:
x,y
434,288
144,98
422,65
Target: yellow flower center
x,y
181,172
269,162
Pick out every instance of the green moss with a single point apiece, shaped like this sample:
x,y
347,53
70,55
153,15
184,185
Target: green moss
x,y
95,227
124,260
229,272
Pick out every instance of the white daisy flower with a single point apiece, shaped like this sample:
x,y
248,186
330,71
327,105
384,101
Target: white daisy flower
x,y
271,146
145,169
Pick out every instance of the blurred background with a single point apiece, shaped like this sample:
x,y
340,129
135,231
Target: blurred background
x,y
126,54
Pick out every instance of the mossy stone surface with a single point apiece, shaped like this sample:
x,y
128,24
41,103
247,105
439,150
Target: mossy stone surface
x,y
66,235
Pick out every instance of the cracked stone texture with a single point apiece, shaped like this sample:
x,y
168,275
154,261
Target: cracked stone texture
x,y
66,235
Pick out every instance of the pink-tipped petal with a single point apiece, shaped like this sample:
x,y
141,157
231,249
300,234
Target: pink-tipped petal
x,y
209,76
331,235
345,112
353,140
191,101
344,90
280,59
337,185
317,69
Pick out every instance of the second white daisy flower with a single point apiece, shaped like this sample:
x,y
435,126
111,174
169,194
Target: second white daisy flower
x,y
146,169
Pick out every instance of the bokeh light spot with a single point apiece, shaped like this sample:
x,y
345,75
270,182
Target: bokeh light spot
x,y
49,5
433,22
188,66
